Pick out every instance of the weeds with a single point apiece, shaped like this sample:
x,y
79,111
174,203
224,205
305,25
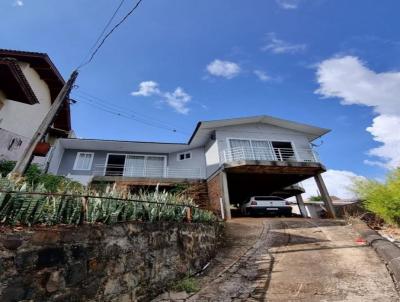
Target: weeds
x,y
188,285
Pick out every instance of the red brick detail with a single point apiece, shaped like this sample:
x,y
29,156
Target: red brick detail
x,y
215,192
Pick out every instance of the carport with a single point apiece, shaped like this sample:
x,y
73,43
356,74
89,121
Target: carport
x,y
241,180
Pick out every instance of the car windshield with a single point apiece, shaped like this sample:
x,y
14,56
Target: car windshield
x,y
267,198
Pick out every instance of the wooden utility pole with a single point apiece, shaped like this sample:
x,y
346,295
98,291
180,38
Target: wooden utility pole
x,y
26,158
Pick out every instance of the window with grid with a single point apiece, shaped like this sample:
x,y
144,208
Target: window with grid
x,y
83,161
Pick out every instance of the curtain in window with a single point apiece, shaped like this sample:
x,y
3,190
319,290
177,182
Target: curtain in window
x,y
240,149
84,161
155,166
134,166
262,150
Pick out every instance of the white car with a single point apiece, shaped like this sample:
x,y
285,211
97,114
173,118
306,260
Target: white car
x,y
266,204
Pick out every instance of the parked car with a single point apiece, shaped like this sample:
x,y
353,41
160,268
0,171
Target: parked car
x,y
265,205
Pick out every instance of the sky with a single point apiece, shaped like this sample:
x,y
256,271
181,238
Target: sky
x,y
329,63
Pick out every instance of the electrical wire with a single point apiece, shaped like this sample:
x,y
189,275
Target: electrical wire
x,y
123,114
124,110
85,94
109,34
104,29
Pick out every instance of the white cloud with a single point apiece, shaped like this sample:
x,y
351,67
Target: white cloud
x,y
338,182
18,3
178,99
262,75
225,69
349,79
147,88
384,129
278,46
288,4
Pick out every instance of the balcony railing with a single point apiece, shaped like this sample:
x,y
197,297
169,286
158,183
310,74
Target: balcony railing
x,y
148,172
268,154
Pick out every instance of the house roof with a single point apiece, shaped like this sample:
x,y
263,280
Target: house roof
x,y
200,136
47,71
205,128
14,84
122,146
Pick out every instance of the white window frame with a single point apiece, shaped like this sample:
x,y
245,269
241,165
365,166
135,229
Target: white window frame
x,y
184,156
138,154
228,143
90,162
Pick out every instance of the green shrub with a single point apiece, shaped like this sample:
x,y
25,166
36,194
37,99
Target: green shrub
x,y
34,176
382,199
6,167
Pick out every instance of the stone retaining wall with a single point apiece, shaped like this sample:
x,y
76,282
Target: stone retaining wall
x,y
123,262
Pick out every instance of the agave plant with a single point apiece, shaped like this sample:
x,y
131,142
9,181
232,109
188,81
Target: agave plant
x,y
22,204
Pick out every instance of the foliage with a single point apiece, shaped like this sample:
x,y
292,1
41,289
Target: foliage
x,y
315,198
6,167
383,199
179,188
34,177
188,285
109,207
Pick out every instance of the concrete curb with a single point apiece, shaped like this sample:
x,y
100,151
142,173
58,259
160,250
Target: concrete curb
x,y
389,252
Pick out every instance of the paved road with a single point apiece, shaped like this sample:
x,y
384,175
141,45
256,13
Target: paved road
x,y
295,260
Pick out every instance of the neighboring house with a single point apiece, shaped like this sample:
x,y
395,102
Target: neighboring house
x,y
29,84
226,161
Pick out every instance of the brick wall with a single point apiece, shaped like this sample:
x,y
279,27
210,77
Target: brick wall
x,y
215,193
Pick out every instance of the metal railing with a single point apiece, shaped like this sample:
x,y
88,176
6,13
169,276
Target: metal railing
x,y
150,172
268,154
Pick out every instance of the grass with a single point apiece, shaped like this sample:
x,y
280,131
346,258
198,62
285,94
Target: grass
x,y
188,285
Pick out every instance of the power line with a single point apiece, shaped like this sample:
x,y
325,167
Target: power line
x,y
121,109
123,114
109,34
104,29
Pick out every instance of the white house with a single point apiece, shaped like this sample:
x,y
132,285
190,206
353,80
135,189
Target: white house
x,y
29,83
227,160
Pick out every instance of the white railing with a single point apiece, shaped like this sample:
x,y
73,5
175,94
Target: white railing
x,y
149,172
268,154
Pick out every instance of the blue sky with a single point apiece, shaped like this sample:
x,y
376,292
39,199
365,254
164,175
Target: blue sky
x,y
230,58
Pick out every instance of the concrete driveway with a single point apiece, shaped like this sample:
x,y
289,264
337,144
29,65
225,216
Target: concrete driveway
x,y
274,259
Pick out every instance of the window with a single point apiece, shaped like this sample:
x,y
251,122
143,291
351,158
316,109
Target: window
x,y
115,165
83,161
183,156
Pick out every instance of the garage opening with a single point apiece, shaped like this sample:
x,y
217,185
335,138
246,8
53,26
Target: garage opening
x,y
243,186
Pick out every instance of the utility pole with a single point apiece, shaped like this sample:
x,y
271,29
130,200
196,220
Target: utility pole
x,y
26,158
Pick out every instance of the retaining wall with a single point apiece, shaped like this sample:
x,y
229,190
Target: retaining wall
x,y
122,262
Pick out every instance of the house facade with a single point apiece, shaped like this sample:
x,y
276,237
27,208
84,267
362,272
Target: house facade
x,y
29,84
227,160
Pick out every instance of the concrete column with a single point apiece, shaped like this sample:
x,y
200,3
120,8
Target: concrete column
x,y
325,195
225,194
302,207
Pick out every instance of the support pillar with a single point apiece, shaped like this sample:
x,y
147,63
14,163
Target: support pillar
x,y
325,195
225,194
302,207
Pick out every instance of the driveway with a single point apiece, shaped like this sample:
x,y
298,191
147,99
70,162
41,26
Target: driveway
x,y
268,259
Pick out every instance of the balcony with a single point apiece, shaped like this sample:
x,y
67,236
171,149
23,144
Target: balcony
x,y
148,172
269,154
